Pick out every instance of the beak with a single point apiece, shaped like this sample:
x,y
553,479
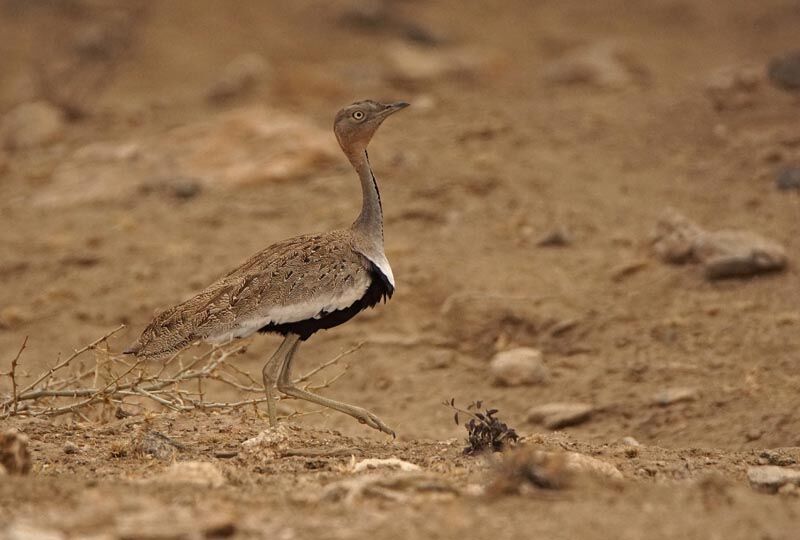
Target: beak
x,y
392,108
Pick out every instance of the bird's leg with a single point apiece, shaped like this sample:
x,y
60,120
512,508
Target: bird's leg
x,y
286,386
268,374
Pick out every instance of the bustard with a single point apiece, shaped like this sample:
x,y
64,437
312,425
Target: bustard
x,y
295,287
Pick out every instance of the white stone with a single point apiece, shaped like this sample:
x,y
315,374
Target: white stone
x,y
559,415
603,64
520,366
580,463
31,125
770,478
390,463
199,473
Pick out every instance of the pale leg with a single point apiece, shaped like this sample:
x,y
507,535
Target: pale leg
x,y
286,386
268,374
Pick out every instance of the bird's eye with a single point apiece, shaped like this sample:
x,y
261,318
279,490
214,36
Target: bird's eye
x,y
358,115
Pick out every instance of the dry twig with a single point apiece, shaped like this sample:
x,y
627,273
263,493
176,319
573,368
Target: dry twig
x,y
113,380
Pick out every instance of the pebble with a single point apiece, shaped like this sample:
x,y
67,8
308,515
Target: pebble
x,y
385,463
732,253
670,396
238,77
200,473
560,415
784,71
71,448
407,63
522,366
734,88
31,125
788,178
630,441
557,237
581,463
603,65
723,254
770,478
439,359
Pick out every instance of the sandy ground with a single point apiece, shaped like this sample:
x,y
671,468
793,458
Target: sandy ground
x,y
505,142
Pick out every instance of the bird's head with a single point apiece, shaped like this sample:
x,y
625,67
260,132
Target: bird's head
x,y
356,124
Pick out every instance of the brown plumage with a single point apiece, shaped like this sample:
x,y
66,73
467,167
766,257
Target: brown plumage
x,y
295,287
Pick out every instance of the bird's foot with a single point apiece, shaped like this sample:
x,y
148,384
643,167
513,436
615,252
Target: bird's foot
x,y
366,417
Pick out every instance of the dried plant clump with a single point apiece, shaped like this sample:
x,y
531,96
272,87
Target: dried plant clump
x,y
484,431
525,470
111,385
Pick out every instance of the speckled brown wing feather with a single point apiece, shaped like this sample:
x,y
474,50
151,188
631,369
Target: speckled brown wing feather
x,y
296,278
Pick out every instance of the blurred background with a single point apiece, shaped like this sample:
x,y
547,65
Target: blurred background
x,y
150,147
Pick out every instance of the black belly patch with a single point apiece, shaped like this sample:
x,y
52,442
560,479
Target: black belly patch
x,y
379,289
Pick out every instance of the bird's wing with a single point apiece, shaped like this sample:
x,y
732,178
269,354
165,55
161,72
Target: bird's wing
x,y
294,280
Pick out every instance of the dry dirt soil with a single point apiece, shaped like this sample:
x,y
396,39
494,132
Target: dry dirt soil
x,y
106,220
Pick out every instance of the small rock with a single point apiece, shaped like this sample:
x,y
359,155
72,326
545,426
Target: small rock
x,y
152,443
439,359
603,65
558,237
724,254
518,367
727,254
674,237
390,463
770,478
416,64
788,178
753,435
71,448
14,455
269,438
560,415
31,125
674,395
630,441
198,473
581,463
384,17
784,71
670,396
238,77
734,88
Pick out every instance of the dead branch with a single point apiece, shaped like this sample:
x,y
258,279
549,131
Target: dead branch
x,y
177,384
13,374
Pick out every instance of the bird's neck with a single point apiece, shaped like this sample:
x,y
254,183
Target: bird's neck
x,y
370,220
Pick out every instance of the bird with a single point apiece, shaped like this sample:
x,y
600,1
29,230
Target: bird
x,y
295,287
